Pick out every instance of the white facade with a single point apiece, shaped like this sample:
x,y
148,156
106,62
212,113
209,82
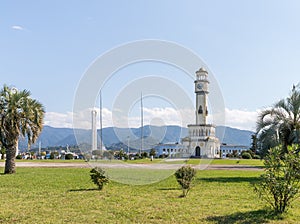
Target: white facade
x,y
230,149
172,150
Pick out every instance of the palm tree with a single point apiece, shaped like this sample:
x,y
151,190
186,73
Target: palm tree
x,y
281,123
20,115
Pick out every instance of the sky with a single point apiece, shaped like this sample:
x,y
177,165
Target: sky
x,y
252,49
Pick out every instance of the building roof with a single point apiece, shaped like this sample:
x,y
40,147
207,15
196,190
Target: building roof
x,y
233,146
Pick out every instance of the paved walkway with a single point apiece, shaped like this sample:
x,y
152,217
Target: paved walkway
x,y
132,166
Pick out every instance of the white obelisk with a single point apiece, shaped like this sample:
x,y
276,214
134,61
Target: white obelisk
x,y
94,130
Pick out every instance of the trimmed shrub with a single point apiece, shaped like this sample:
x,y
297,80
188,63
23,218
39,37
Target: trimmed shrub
x,y
52,155
184,176
152,152
108,154
98,177
144,155
68,156
256,157
246,155
162,156
137,156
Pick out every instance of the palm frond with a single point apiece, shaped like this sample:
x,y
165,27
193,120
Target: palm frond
x,y
281,123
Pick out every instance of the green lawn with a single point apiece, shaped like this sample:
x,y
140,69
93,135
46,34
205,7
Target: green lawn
x,y
66,195
251,162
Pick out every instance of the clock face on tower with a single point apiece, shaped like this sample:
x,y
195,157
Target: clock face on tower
x,y
199,86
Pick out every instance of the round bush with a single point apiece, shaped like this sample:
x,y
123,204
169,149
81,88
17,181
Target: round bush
x,y
184,176
246,155
68,156
98,177
256,157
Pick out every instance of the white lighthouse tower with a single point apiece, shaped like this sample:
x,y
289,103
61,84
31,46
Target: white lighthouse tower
x,y
202,141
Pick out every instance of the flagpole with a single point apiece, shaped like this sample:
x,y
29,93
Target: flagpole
x,y
142,124
101,123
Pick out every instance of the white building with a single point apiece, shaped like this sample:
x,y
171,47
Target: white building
x,y
172,150
201,141
232,149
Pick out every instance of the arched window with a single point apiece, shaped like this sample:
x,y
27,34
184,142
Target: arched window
x,y
198,151
200,110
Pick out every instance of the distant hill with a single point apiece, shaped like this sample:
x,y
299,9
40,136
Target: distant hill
x,y
51,136
234,136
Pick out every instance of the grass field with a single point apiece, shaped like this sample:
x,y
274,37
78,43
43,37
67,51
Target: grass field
x,y
252,162
66,195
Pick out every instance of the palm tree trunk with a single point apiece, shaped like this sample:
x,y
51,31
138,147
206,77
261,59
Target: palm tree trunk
x,y
10,164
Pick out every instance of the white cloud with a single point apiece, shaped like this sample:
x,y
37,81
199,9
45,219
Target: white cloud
x,y
235,118
59,120
153,116
16,27
78,120
241,119
166,116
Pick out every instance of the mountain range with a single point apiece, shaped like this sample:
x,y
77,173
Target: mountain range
x,y
120,137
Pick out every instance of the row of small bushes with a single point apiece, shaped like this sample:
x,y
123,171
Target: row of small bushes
x,y
244,155
184,176
247,155
67,156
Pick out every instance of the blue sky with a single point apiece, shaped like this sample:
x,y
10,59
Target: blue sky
x,y
252,47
